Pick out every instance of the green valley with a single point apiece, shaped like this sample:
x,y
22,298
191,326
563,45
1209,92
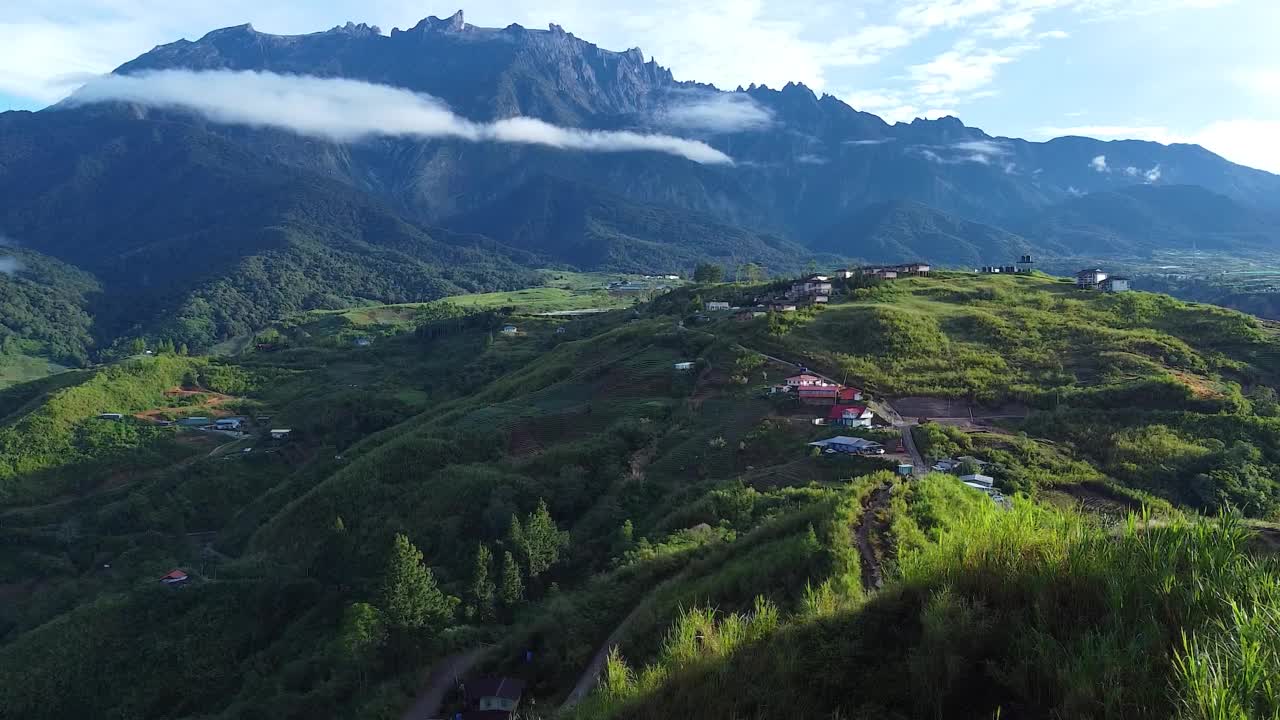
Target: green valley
x,y
625,512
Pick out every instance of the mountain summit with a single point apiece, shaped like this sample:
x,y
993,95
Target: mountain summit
x,y
535,123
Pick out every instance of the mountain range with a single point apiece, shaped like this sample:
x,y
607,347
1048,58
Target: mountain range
x,y
198,227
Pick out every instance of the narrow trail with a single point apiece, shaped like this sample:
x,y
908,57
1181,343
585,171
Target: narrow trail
x,y
442,678
873,531
591,674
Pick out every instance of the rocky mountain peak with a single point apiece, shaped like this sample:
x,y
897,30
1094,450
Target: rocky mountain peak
x,y
356,29
453,23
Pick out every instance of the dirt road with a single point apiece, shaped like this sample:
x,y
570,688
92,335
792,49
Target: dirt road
x,y
443,677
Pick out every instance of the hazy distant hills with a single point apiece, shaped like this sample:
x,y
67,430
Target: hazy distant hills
x,y
199,229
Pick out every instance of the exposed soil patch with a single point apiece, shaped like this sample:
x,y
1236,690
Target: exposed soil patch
x,y
872,535
938,407
1097,498
522,442
210,404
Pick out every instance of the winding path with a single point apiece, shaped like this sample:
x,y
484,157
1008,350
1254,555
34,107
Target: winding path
x,y
443,678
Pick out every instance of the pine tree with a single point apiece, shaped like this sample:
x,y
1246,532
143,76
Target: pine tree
x,y
541,540
482,587
512,585
411,599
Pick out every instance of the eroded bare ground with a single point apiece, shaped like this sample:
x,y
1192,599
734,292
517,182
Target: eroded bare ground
x,y
872,535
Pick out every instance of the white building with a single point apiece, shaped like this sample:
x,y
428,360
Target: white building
x,y
1090,278
684,366
717,305
1116,284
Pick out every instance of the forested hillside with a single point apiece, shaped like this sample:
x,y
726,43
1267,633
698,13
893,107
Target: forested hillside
x,y
464,486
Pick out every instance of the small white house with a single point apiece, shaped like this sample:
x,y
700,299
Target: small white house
x,y
978,480
281,434
111,416
363,342
683,366
509,330
845,444
227,424
1116,284
717,305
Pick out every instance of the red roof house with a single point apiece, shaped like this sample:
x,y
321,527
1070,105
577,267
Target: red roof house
x,y
174,577
850,416
850,394
818,394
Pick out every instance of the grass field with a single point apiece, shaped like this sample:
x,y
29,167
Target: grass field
x,y
16,369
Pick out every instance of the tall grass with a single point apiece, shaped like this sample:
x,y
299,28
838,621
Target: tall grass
x,y
1029,611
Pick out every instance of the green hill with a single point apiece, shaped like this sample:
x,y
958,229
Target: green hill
x,y
678,514
894,231
572,223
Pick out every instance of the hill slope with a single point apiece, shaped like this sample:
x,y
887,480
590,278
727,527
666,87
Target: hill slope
x,y
893,231
1143,218
643,492
573,224
196,239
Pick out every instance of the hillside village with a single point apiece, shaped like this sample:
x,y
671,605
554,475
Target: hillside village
x,y
702,432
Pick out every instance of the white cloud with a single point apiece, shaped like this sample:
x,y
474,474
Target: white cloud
x,y
716,112
1152,175
811,159
1131,171
1099,164
1246,141
877,141
962,69
349,110
986,147
1054,35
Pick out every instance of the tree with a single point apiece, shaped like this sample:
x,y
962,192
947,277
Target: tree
x,y
183,349
539,540
361,632
482,588
137,346
411,598
512,585
751,273
708,273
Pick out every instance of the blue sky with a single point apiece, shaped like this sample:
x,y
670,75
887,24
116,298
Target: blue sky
x,y
1205,71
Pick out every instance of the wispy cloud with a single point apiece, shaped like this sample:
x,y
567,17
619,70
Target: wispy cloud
x,y
877,141
986,147
349,110
715,112
811,159
8,263
1099,164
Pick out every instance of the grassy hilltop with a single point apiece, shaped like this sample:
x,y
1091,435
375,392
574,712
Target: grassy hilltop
x,y
566,485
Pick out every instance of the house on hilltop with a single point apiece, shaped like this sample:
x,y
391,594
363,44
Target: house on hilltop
x,y
844,444
823,394
804,380
850,416
717,305
1115,283
1090,278
812,286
